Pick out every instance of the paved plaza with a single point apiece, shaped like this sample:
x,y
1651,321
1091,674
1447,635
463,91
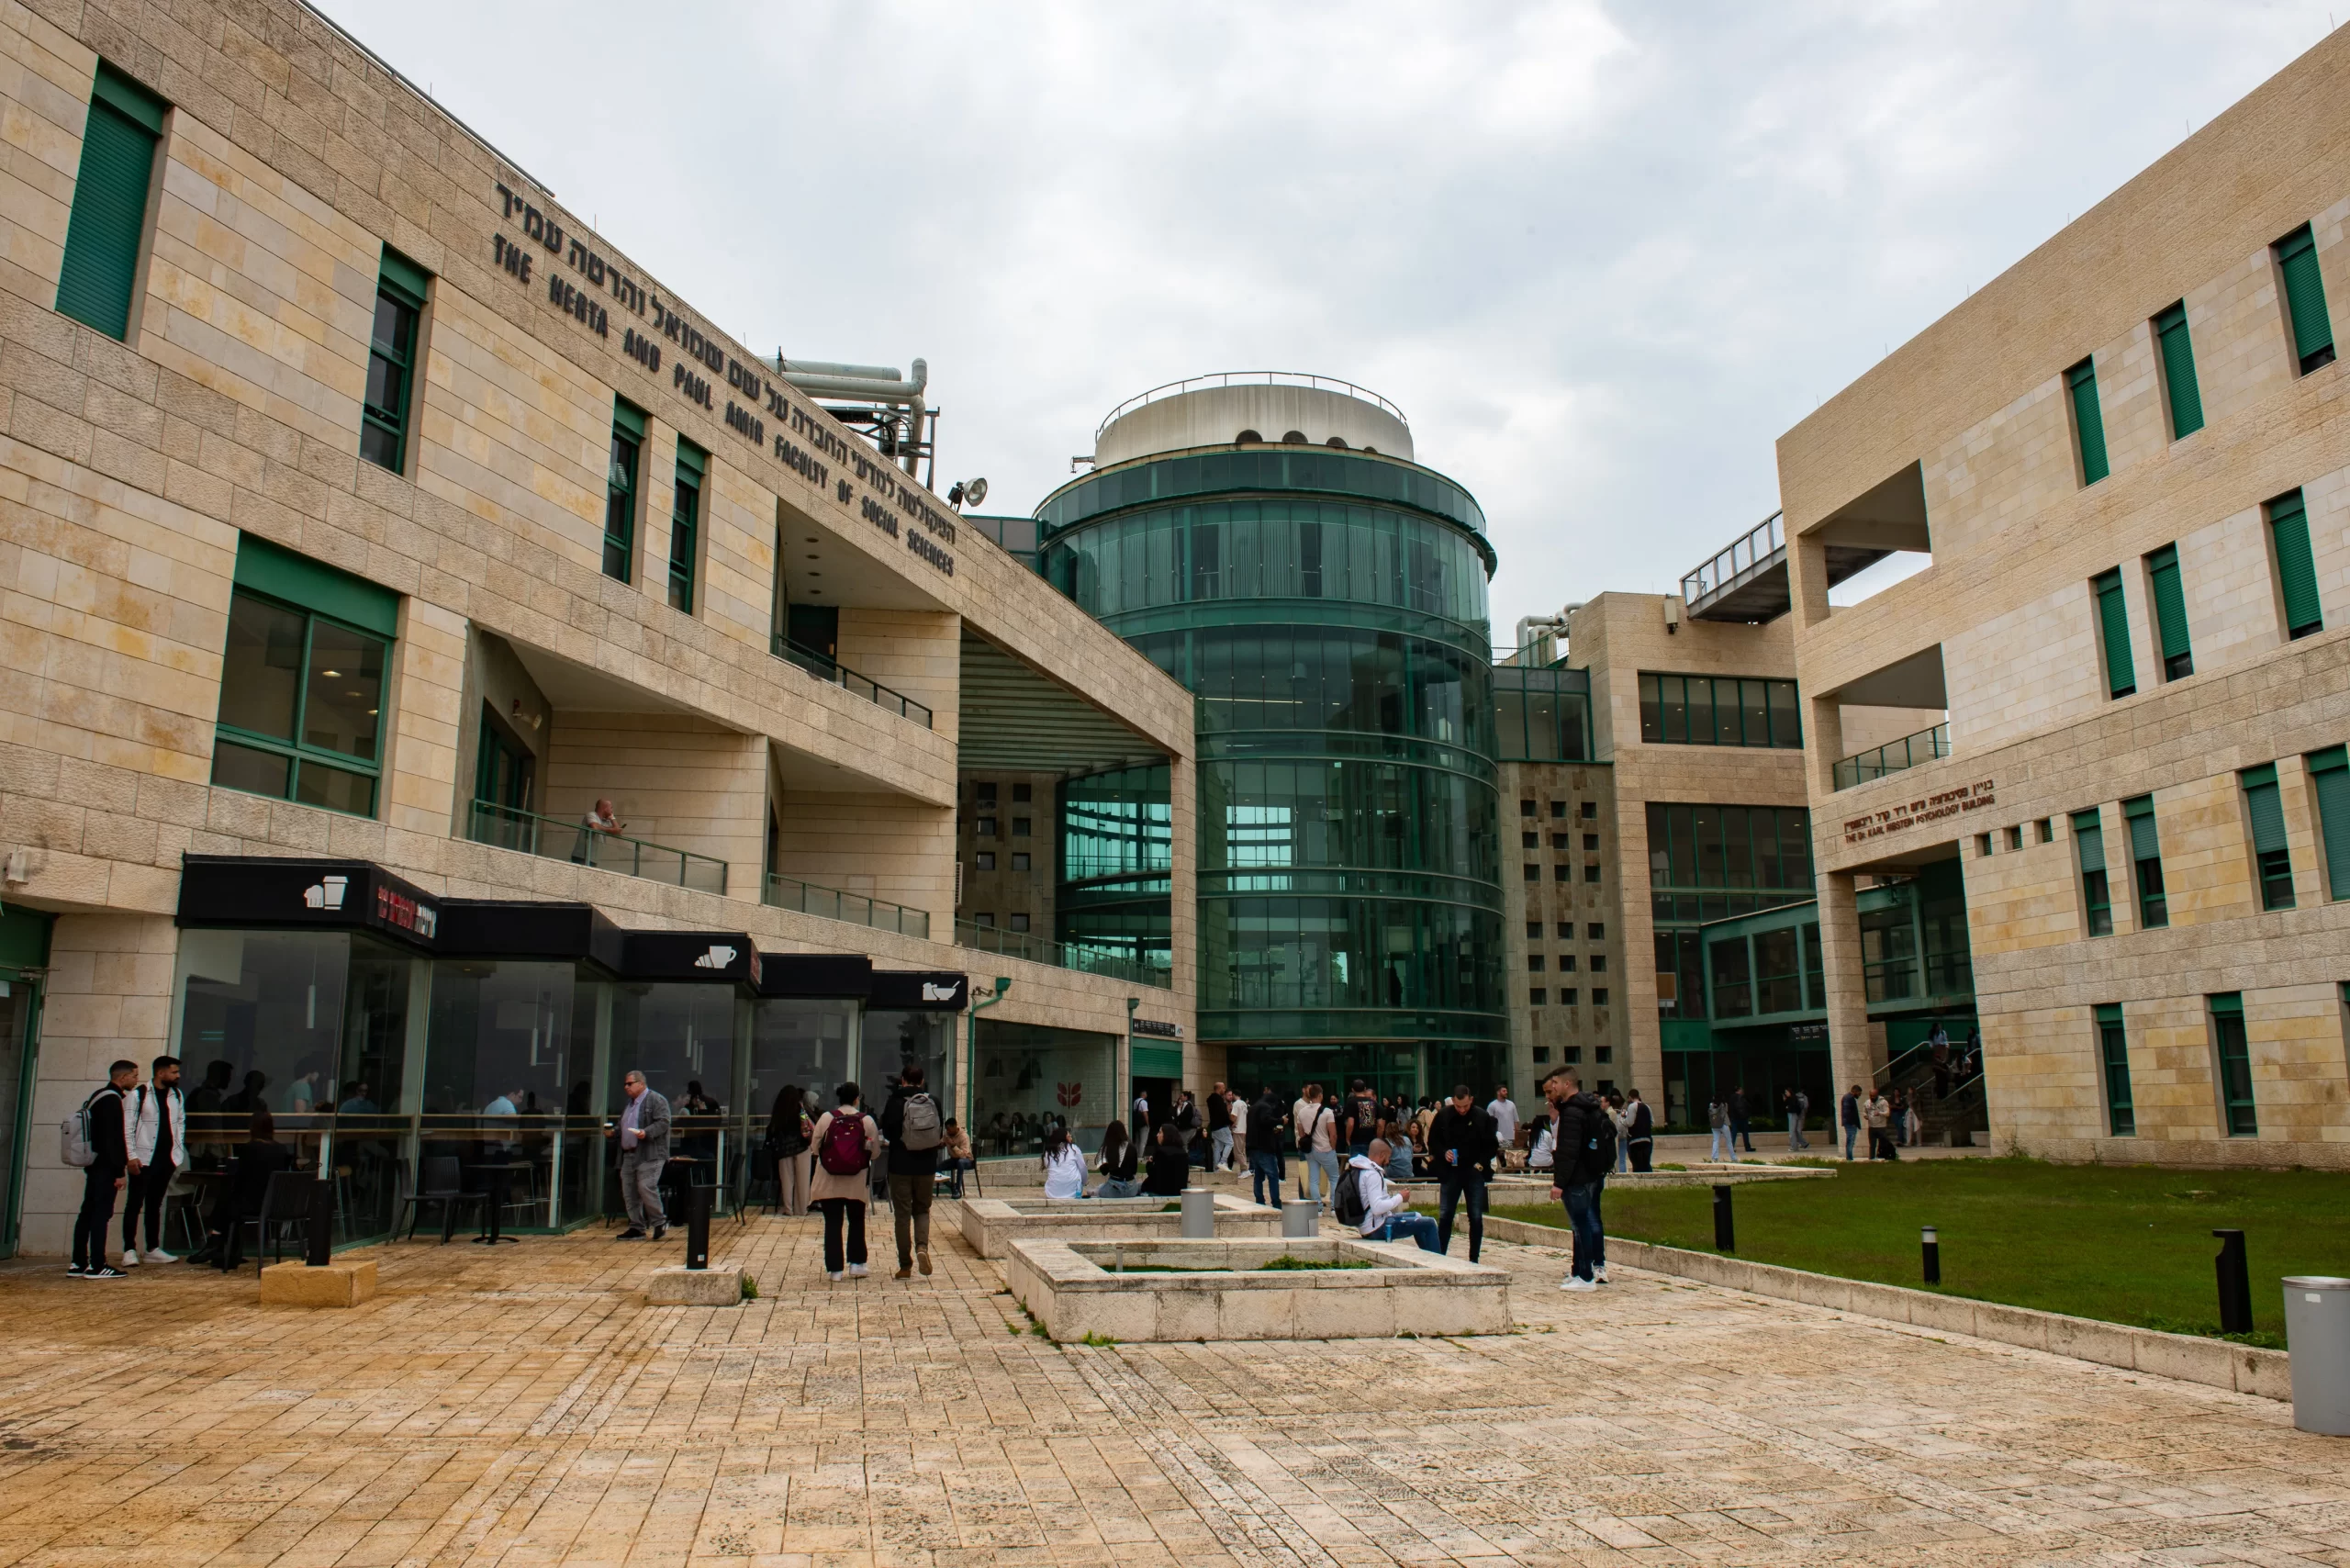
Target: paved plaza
x,y
521,1406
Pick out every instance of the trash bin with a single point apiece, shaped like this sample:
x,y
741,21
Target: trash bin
x,y
1300,1217
2317,1333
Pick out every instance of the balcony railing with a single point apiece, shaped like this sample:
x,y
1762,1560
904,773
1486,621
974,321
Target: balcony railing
x,y
826,669
1038,949
829,903
1909,751
1761,548
555,839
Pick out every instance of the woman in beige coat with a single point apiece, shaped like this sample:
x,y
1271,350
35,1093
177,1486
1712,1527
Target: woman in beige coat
x,y
841,1194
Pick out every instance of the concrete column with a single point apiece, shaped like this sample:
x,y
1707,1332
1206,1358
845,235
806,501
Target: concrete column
x,y
1851,1042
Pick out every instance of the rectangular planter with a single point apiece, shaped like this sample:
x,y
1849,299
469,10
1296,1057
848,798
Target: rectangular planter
x,y
991,1225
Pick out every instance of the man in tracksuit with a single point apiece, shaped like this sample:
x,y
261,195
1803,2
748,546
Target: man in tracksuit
x,y
109,1123
1584,1144
158,1150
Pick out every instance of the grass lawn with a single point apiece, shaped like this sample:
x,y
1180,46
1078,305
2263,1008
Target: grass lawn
x,y
2128,1244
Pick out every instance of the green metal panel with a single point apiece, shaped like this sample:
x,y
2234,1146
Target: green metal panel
x,y
628,417
119,92
2170,600
2178,371
2113,618
24,938
691,459
2267,812
313,585
2140,814
2305,298
2330,779
1157,1061
109,216
2288,531
2228,1005
2089,838
2088,424
405,276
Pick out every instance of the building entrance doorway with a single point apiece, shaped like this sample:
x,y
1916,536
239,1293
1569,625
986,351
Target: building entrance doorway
x,y
24,946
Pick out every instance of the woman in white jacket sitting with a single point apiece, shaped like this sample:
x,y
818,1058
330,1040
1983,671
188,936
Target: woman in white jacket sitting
x,y
1064,1165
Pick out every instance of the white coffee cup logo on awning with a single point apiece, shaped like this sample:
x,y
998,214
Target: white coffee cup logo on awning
x,y
326,892
718,958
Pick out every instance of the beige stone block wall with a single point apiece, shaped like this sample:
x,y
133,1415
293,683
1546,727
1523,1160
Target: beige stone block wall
x,y
673,780
882,847
2005,469
918,653
2036,665
45,83
2229,586
2130,399
2236,322
422,787
2019,900
2207,851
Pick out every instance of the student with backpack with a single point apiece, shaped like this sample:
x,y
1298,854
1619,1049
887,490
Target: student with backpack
x,y
97,1138
914,1126
158,1152
846,1141
1377,1211
1639,1133
1586,1151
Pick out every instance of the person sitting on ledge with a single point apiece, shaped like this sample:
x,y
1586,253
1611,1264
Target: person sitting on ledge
x,y
1118,1156
1383,1210
955,1155
1170,1165
1064,1166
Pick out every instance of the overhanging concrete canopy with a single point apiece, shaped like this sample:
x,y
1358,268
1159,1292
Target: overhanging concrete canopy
x,y
1914,682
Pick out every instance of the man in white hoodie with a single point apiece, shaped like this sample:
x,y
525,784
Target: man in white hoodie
x,y
158,1150
1384,1215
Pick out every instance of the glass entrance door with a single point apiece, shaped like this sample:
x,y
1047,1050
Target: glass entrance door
x,y
19,1017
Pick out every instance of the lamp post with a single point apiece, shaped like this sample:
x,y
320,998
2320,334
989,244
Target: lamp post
x,y
971,1056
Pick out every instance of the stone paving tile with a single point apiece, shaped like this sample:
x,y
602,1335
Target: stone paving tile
x,y
524,1407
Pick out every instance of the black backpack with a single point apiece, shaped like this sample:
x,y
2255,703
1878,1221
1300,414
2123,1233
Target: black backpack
x,y
1347,1204
1599,1141
1643,1125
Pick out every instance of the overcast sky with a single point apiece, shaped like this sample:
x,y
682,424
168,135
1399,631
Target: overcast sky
x,y
1601,255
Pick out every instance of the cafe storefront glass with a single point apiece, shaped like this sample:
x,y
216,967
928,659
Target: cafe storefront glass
x,y
1031,1075
682,1036
509,1070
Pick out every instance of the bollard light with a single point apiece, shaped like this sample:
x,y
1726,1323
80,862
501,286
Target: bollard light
x,y
698,1227
1931,1243
1725,1232
2234,1271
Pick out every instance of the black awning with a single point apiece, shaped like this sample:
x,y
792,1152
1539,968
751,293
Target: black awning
x,y
691,956
815,975
562,933
272,892
939,990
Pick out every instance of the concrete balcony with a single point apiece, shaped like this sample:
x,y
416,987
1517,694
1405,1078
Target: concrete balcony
x,y
553,839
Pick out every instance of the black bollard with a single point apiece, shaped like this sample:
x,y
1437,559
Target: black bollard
x,y
1931,1242
2235,1283
1725,1232
321,1228
698,1227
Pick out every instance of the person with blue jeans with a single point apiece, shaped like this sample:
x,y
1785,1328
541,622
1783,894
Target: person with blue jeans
x,y
1265,1119
1585,1141
1317,1140
1464,1144
1848,1114
1386,1215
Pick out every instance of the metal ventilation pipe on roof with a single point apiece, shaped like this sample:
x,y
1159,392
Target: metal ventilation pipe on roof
x,y
871,383
1534,629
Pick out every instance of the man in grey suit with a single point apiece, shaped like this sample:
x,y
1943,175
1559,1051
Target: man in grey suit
x,y
644,1138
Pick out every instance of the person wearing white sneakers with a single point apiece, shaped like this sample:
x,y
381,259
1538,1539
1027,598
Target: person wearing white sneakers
x,y
1585,1145
158,1153
846,1141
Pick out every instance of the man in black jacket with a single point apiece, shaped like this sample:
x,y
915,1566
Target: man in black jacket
x,y
1463,1143
1584,1144
913,1163
104,1175
1267,1133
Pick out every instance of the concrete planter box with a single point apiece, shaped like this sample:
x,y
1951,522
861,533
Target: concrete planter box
x,y
991,1225
720,1285
1070,1289
1522,1186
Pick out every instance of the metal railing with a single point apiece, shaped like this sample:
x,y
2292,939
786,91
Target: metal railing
x,y
826,669
1759,548
1909,751
1250,379
1040,949
552,838
830,904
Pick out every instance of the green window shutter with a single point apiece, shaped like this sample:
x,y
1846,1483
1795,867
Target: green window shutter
x,y
691,459
628,417
2113,618
2288,531
2140,814
2230,1005
2088,425
2305,298
2268,809
2178,371
2113,1048
2170,611
2330,781
2089,839
403,273
109,216
313,585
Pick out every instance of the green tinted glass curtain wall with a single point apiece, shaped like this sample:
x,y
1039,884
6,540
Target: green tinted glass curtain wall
x,y
2330,781
2288,541
2272,861
1699,709
2113,632
2170,612
2146,862
2088,842
2178,371
109,218
2113,1049
2305,299
2088,424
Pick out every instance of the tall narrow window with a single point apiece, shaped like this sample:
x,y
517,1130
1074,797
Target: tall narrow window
x,y
2113,1048
2088,843
620,491
2178,371
2234,1051
2146,862
2113,632
2272,864
2288,540
391,361
685,525
2088,425
2170,612
109,218
2329,782
2305,299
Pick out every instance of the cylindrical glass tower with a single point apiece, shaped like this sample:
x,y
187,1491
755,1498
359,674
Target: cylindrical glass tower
x,y
1273,546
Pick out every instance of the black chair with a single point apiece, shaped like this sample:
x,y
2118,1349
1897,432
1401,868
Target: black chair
x,y
443,1184
286,1201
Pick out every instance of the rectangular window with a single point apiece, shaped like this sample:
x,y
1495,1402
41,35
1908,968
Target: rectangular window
x,y
1534,931
1593,933
1533,872
1021,862
1020,827
984,860
2015,836
2088,843
2305,299
1558,810
1591,874
2170,612
2329,782
1560,841
619,496
984,792
2088,425
984,919
2113,1049
985,827
1732,977
1591,811
1020,923
1533,963
2147,861
1536,996
1701,710
1526,807
1529,841
2234,1051
1983,846
1590,844
302,681
685,524
1020,794
2177,355
384,414
1562,873
2288,541
2272,862
1566,963
109,222
2113,632
1599,963
1599,999
2047,826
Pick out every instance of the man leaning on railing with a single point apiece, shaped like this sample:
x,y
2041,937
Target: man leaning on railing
x,y
600,819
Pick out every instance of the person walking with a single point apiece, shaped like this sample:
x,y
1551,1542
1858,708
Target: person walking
x,y
1639,1133
915,1128
1585,1136
1880,1112
1265,1141
158,1153
1721,1147
1798,1106
1190,1127
1503,1111
105,1123
1741,1130
1847,1116
1941,1054
643,1137
1317,1143
1219,1128
1142,1115
846,1141
789,1135
1463,1145
1622,1117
